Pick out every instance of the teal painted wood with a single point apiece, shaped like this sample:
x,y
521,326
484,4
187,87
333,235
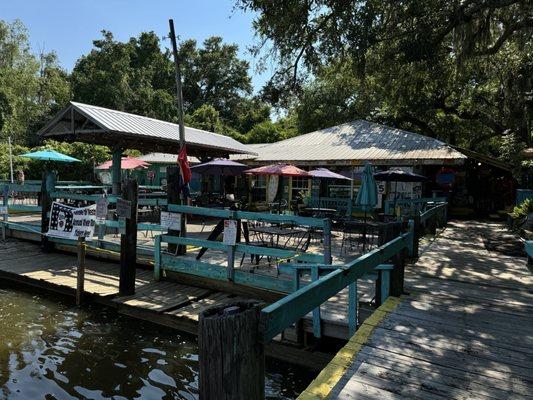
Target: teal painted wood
x,y
214,271
281,218
21,227
436,210
411,231
283,313
327,241
385,285
210,244
24,208
353,308
80,197
295,279
317,331
207,212
14,187
157,258
152,202
414,205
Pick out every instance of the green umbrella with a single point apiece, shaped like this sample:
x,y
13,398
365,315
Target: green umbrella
x,y
50,155
367,198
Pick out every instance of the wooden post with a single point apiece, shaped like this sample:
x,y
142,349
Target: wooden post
x,y
173,197
81,270
116,172
433,224
47,186
128,242
231,353
327,241
231,255
397,274
417,234
5,200
353,308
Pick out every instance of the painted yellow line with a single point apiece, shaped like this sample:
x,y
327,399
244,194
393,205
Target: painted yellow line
x,y
330,376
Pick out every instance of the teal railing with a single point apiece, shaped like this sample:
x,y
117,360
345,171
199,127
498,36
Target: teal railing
x,y
327,281
412,207
190,265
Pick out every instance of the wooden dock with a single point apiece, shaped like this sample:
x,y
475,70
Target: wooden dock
x,y
464,332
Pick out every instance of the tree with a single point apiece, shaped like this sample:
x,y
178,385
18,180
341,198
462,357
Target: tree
x,y
460,71
213,74
30,89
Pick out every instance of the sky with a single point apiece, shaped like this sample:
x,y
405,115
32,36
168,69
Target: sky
x,y
69,27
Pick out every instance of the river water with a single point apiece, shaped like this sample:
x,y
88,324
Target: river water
x,y
50,349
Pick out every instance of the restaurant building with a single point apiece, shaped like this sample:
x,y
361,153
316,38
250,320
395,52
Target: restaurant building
x,y
473,183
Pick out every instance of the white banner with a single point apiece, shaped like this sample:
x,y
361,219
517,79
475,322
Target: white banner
x,y
70,222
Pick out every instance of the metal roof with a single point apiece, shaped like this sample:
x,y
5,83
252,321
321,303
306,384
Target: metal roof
x,y
356,142
98,125
165,158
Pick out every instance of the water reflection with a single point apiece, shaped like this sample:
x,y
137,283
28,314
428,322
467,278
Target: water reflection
x,y
51,350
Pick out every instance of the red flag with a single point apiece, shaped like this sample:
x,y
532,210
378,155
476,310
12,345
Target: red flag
x,y
183,162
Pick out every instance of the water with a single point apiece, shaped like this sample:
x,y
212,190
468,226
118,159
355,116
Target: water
x,y
52,350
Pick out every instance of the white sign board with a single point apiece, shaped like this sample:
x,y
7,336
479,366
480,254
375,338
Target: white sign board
x,y
71,222
3,210
170,220
230,232
101,209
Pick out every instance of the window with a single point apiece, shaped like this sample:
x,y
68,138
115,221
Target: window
x,y
300,185
259,184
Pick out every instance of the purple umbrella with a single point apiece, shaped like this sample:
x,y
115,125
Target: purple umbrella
x,y
220,166
324,173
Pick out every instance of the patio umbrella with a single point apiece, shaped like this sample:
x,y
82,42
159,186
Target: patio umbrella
x,y
324,173
367,197
125,163
50,155
398,175
220,166
279,170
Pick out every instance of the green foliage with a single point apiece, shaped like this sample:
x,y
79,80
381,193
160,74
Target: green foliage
x,y
459,71
523,209
31,88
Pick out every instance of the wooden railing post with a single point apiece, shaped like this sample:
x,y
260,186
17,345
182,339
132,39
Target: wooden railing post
x,y
397,274
231,353
417,234
5,202
173,197
231,255
80,275
47,186
327,241
128,241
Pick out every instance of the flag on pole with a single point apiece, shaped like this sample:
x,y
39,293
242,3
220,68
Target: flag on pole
x,y
183,162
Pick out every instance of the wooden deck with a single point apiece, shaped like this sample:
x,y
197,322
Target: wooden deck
x,y
464,332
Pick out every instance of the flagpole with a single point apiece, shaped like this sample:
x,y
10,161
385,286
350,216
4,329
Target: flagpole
x,y
10,158
179,96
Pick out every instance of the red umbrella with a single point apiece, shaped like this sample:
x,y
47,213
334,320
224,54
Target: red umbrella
x,y
278,169
126,163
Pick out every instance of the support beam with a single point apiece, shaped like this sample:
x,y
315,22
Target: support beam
x,y
116,172
47,186
128,242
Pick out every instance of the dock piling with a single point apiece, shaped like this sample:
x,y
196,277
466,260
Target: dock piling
x,y
231,354
128,242
80,276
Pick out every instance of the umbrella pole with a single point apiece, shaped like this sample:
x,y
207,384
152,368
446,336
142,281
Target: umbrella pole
x,y
364,231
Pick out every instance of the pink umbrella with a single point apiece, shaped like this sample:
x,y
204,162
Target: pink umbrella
x,y
126,163
278,169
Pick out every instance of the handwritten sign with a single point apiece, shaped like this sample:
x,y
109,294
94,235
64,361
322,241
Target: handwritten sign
x,y
170,220
3,210
123,208
101,209
71,222
230,232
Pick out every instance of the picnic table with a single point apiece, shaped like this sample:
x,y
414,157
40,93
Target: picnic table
x,y
280,237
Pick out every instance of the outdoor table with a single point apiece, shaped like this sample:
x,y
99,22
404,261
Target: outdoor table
x,y
271,235
320,211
